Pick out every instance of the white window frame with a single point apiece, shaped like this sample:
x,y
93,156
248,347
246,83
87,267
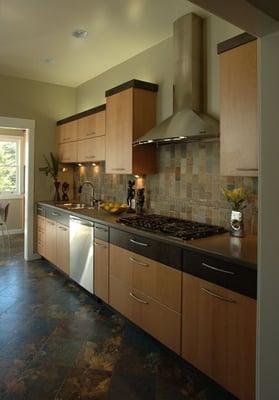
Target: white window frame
x,y
20,164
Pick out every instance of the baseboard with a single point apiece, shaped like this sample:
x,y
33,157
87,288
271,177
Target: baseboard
x,y
15,231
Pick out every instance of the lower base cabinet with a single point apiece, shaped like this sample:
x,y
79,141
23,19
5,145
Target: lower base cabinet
x,y
156,319
101,269
62,248
50,241
219,335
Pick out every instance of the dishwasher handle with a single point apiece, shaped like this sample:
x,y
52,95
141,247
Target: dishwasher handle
x,y
80,221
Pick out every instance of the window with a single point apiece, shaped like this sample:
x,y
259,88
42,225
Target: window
x,y
11,166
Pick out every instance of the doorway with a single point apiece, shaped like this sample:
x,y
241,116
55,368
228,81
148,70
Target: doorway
x,y
26,126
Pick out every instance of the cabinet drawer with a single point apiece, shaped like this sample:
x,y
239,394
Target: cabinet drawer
x,y
155,250
160,282
58,216
224,273
41,223
153,317
91,149
101,232
41,248
41,236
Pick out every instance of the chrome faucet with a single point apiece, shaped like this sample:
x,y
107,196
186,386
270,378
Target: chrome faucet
x,y
92,197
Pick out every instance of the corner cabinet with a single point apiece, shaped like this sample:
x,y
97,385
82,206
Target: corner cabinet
x,y
238,106
219,334
130,113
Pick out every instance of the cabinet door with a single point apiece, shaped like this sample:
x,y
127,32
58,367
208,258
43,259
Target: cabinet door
x,y
219,335
157,280
238,111
92,126
67,132
91,149
119,132
62,248
41,223
159,321
101,269
50,241
68,152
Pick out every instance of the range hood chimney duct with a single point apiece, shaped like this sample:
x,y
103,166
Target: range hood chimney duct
x,y
188,123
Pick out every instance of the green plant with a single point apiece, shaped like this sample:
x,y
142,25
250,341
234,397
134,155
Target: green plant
x,y
52,167
237,198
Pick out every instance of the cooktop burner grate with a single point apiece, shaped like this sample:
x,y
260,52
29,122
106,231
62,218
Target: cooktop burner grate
x,y
173,227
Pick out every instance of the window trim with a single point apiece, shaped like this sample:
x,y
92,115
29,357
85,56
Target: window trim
x,y
20,176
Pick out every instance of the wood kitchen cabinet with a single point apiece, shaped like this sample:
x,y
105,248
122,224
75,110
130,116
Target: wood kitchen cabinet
x,y
91,149
238,107
219,334
62,248
101,269
41,235
93,125
147,293
68,152
130,113
50,241
67,132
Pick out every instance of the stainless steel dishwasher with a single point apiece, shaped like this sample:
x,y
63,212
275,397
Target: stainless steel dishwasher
x,y
81,252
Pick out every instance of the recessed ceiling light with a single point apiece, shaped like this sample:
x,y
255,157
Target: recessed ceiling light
x,y
49,60
80,34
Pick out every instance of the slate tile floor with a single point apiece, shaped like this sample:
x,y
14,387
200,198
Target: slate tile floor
x,y
57,342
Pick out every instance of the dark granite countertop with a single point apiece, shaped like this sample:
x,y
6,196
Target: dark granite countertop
x,y
242,251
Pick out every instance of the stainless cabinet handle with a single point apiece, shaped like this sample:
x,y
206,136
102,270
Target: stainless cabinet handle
x,y
90,157
55,213
137,298
217,296
247,169
118,169
51,223
102,229
101,245
66,138
91,133
62,229
138,262
217,269
139,243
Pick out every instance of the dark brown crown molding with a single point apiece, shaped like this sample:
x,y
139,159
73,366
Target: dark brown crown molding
x,y
236,41
82,114
134,83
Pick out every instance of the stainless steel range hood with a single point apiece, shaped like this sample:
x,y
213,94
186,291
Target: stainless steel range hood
x,y
188,123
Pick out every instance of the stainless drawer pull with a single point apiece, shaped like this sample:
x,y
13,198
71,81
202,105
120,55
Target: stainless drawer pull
x,y
40,209
139,243
51,223
100,245
62,229
118,169
138,262
90,157
55,213
247,169
217,296
90,133
217,269
137,298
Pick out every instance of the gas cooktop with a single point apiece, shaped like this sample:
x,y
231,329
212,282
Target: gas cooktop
x,y
172,227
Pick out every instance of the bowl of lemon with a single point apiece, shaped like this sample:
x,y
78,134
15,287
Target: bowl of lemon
x,y
114,207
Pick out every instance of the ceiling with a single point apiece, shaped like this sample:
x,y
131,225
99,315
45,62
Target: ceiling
x,y
32,31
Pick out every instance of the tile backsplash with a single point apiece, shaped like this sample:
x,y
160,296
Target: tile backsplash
x,y
187,185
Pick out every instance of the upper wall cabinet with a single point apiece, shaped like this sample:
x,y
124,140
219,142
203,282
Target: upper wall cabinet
x,y
67,132
130,112
238,106
81,137
92,126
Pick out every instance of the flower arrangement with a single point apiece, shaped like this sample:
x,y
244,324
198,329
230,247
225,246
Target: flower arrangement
x,y
51,168
237,198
